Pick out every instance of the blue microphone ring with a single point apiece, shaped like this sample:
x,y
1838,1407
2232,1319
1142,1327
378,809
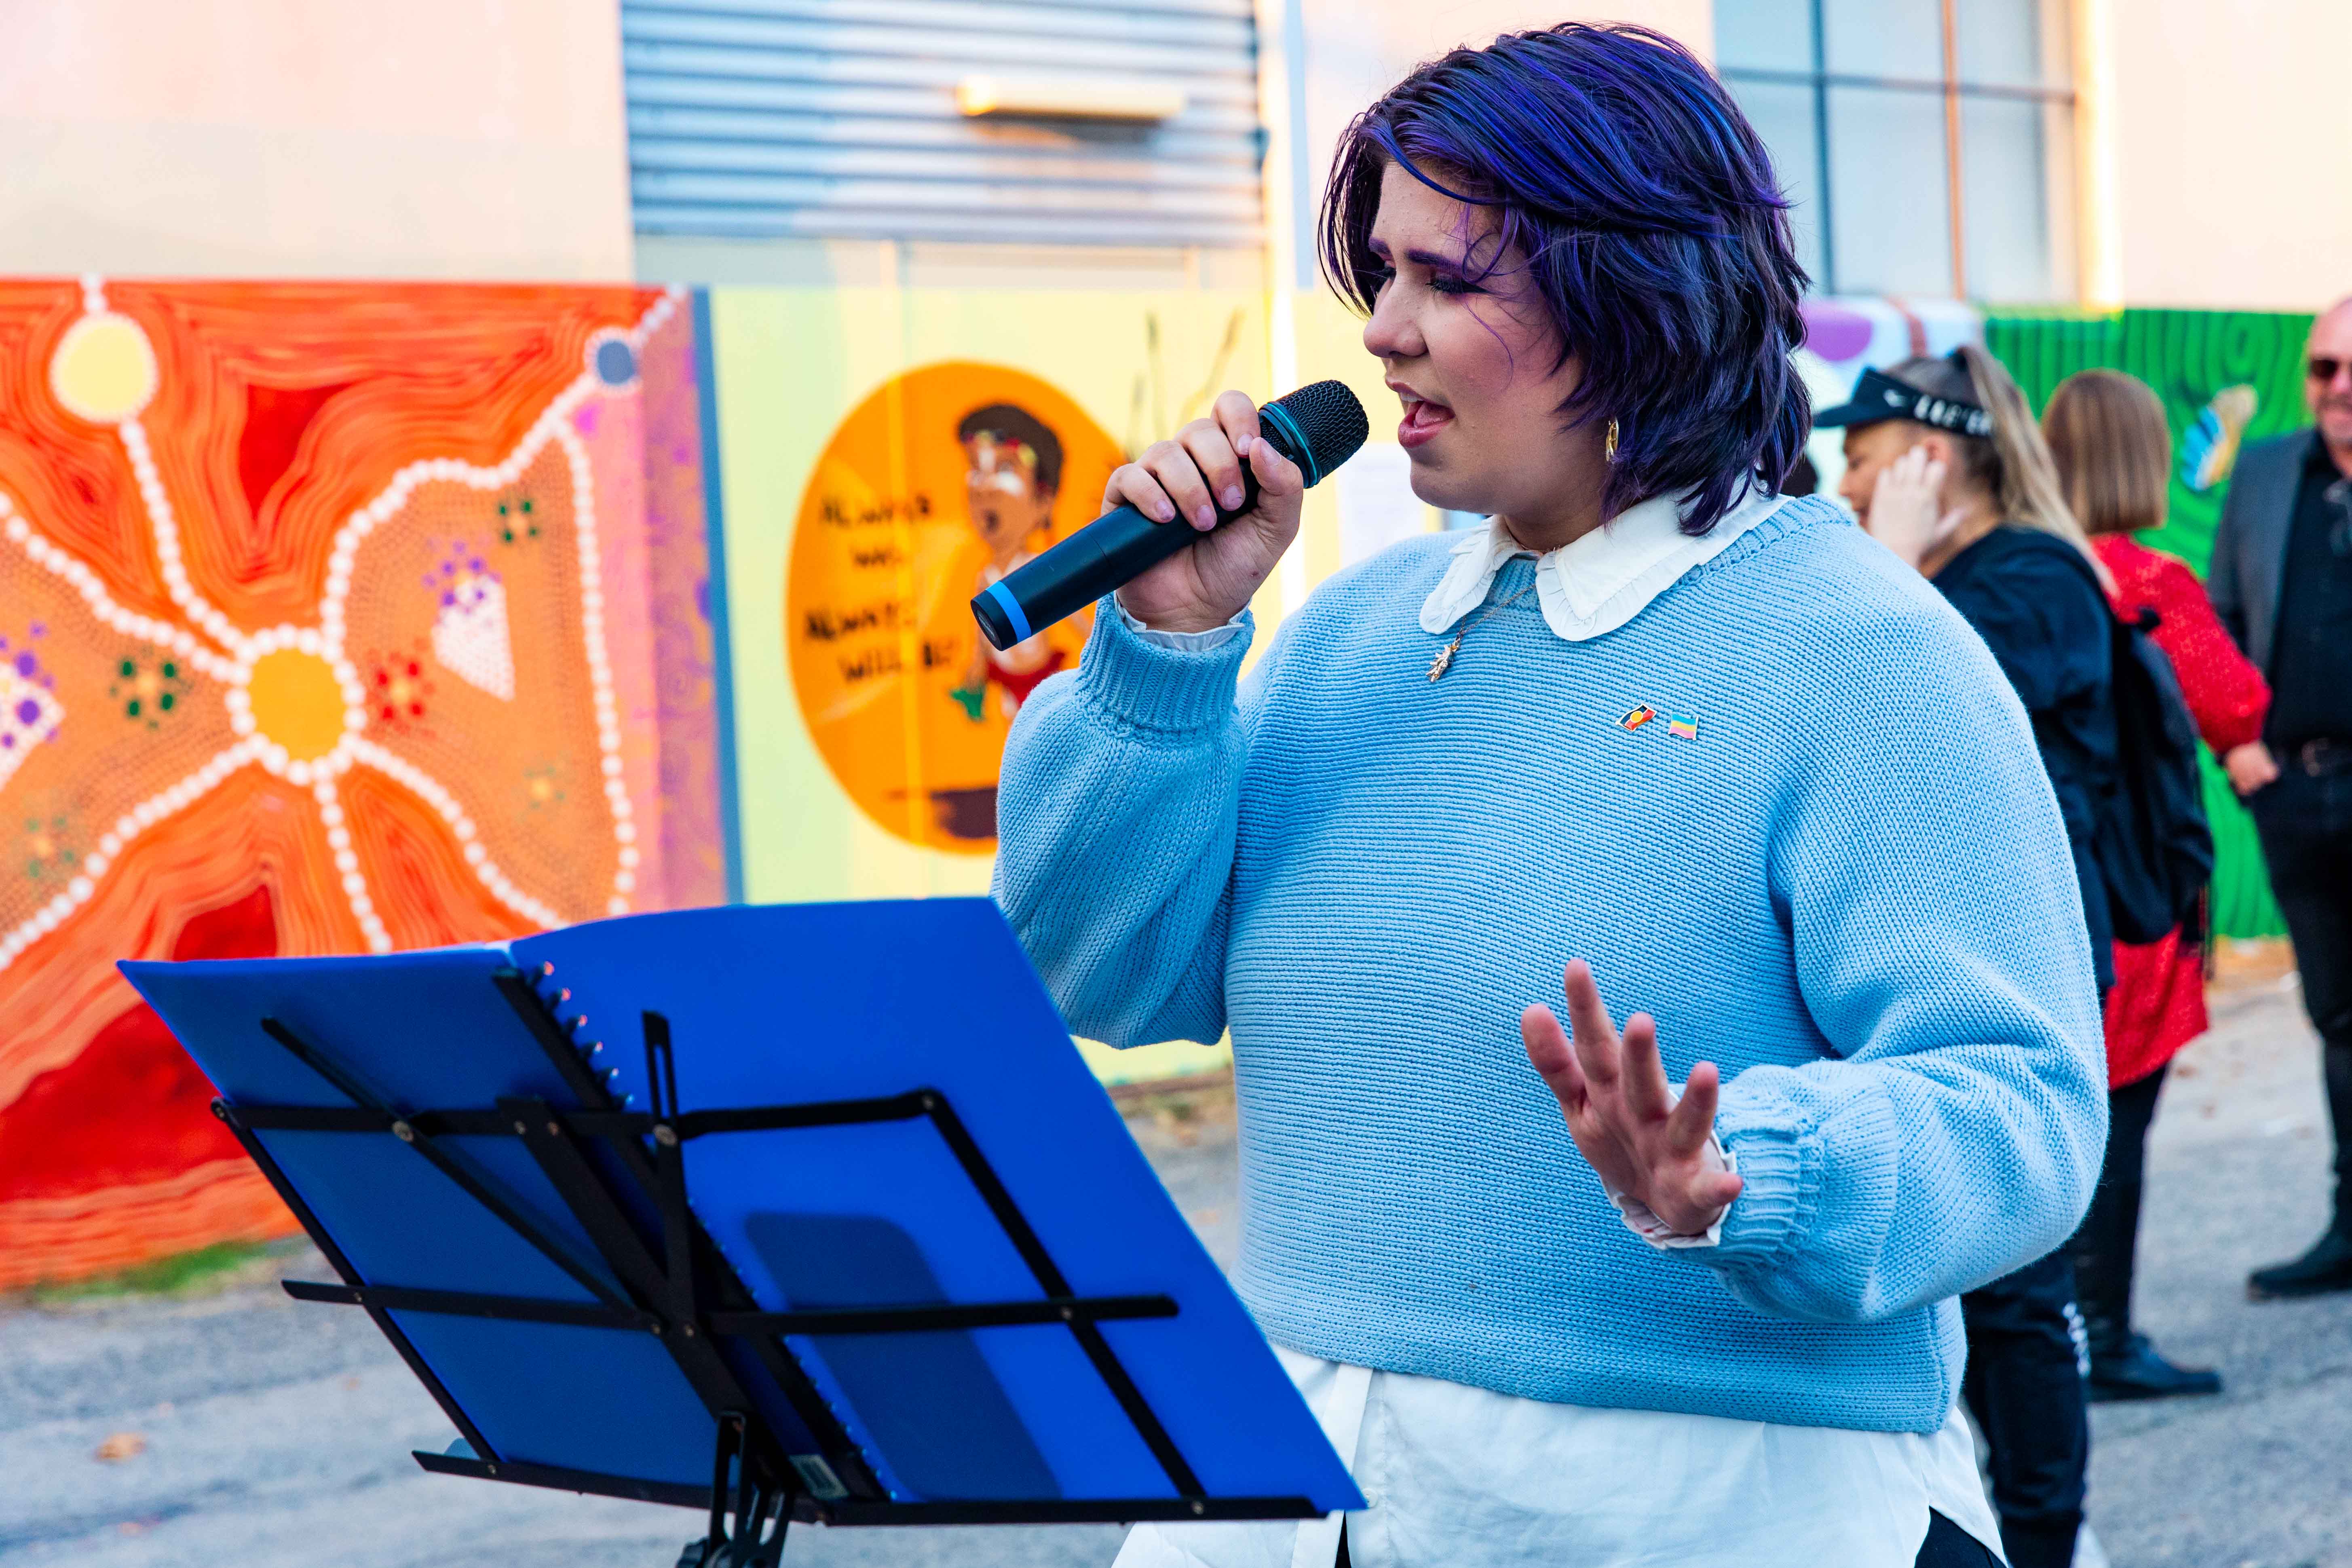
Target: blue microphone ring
x,y
1299,442
1011,608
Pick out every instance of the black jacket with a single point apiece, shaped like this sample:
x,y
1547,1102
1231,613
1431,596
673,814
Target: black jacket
x,y
2250,543
2026,595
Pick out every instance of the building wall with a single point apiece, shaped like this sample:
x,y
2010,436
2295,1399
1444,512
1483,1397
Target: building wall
x,y
479,139
2227,149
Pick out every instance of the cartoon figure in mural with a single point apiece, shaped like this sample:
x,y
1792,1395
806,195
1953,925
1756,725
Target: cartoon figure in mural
x,y
903,698
1013,472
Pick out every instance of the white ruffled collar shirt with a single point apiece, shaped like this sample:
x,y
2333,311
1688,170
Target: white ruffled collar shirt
x,y
1598,582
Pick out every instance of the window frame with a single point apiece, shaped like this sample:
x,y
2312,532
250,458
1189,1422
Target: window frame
x,y
1950,87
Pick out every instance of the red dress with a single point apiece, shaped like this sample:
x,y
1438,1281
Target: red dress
x,y
2158,1003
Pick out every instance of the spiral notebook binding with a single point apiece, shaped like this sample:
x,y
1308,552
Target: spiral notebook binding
x,y
570,1028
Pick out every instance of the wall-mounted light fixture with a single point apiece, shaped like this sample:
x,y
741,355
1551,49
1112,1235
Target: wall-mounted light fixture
x,y
1031,98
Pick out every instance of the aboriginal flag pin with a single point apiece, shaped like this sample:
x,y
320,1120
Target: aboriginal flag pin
x,y
1638,717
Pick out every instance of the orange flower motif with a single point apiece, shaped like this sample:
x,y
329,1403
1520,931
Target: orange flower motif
x,y
301,588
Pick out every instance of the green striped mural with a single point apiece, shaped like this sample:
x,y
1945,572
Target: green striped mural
x,y
2196,360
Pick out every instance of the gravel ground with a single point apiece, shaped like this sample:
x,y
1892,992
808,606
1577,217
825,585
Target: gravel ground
x,y
272,1435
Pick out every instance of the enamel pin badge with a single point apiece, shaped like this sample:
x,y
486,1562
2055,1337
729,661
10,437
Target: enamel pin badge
x,y
1679,726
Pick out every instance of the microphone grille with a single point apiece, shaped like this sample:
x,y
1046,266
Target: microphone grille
x,y
1327,414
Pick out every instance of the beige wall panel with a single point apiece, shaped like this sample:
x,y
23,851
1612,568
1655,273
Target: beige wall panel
x,y
289,138
2228,153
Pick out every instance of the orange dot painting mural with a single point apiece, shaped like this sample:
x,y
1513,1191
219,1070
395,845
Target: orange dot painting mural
x,y
324,628
942,481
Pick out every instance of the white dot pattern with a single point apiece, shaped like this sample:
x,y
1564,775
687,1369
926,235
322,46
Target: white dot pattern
x,y
326,641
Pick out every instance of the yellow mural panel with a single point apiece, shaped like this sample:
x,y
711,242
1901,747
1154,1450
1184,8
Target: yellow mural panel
x,y
883,450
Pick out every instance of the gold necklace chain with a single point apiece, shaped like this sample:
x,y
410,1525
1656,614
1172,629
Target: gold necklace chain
x,y
1445,659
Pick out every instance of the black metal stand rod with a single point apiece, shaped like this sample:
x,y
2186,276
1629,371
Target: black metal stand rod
x,y
292,1199
915,1319
816,1114
623,1135
476,1185
609,1124
465,1304
1059,1510
939,1318
1026,1240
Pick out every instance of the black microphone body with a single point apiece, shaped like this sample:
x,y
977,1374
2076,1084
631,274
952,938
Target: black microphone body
x,y
1318,427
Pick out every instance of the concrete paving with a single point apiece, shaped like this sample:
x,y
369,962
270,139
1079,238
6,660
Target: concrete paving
x,y
277,1436
2261,1476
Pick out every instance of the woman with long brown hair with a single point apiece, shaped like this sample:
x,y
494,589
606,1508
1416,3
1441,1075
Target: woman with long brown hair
x,y
2113,455
1946,467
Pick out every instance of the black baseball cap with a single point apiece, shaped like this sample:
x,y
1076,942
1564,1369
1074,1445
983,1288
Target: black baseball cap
x,y
1878,396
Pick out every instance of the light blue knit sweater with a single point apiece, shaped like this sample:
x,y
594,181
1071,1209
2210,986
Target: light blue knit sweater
x,y
1851,891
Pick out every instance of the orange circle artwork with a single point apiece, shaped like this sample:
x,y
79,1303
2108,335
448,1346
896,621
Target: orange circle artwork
x,y
946,479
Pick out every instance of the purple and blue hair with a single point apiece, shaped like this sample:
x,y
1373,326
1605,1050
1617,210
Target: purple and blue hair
x,y
1646,213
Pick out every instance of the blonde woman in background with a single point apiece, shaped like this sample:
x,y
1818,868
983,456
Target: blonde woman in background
x,y
1945,467
2113,455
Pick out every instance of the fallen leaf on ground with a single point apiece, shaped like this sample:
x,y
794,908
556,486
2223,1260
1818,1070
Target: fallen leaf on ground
x,y
122,1446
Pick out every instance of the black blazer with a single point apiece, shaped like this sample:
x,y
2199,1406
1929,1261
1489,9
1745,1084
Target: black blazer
x,y
2250,546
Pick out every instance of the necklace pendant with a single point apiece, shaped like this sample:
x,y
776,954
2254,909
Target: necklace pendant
x,y
1445,659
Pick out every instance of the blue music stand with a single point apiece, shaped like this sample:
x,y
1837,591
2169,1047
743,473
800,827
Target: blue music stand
x,y
854,1238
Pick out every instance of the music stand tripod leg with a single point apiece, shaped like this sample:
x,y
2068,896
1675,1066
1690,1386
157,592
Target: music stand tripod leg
x,y
755,1541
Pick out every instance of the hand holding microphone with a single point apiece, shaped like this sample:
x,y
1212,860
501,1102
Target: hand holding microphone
x,y
1191,481
1227,486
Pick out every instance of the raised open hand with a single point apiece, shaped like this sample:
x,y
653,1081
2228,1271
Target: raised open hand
x,y
1625,1120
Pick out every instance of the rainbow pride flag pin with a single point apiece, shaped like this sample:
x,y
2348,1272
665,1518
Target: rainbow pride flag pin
x,y
1682,729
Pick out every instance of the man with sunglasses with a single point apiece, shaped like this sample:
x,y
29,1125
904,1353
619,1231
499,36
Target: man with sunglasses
x,y
2281,581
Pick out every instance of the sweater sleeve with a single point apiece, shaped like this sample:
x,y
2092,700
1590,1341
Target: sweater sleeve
x,y
1117,810
2225,692
1939,943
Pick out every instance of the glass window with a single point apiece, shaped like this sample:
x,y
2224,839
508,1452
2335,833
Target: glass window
x,y
1783,114
1880,37
2008,42
1893,217
1766,35
1927,144
2015,147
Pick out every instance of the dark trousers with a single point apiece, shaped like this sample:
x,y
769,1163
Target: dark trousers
x,y
2025,1385
2104,1250
2306,823
1950,1546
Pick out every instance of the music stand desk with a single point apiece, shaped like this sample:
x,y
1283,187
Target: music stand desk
x,y
790,1212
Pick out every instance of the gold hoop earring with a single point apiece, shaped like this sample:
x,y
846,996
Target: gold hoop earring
x,y
1609,447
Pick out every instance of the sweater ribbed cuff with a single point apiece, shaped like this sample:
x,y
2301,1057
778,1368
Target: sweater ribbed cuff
x,y
1155,688
1779,1165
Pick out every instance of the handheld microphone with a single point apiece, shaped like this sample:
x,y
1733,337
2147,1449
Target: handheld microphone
x,y
1318,427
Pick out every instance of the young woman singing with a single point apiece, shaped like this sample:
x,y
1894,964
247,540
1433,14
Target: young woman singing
x,y
1673,1283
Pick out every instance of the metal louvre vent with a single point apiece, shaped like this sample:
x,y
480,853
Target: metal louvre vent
x,y
840,118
